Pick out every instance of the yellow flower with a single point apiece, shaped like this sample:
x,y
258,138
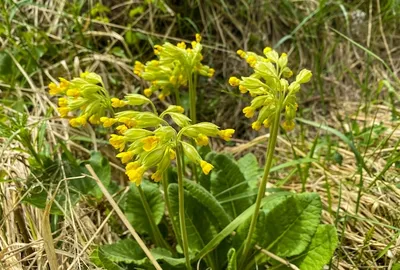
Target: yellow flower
x,y
266,123
73,92
161,97
181,45
63,111
149,143
63,84
256,125
226,134
288,125
138,68
121,129
157,49
118,142
251,60
206,167
157,176
248,111
233,81
198,37
267,50
172,154
243,89
94,119
117,103
54,89
125,156
211,72
147,92
241,53
128,121
78,121
135,175
132,165
201,140
108,122
62,102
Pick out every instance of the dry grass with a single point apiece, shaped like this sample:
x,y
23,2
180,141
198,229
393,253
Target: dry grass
x,y
345,95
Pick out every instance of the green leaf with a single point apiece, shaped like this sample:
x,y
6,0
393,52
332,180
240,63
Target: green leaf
x,y
134,209
319,252
6,64
208,201
100,260
235,223
250,168
228,181
164,255
289,227
232,259
127,251
102,169
199,224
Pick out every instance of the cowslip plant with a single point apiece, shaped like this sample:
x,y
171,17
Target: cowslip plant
x,y
217,219
176,66
145,139
272,95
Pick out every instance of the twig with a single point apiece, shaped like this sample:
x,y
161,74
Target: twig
x,y
95,234
123,218
277,258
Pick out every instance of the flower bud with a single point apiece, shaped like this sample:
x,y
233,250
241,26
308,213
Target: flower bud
x,y
134,134
136,99
304,76
191,152
205,128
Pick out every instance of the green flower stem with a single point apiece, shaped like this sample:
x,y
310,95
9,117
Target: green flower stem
x,y
261,191
169,209
192,97
158,238
181,196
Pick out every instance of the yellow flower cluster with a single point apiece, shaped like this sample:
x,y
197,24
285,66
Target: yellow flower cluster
x,y
269,87
174,67
148,141
85,96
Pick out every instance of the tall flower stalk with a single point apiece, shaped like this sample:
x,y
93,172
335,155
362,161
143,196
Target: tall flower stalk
x,y
272,96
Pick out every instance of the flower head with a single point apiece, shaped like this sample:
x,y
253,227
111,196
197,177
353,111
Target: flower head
x,y
268,87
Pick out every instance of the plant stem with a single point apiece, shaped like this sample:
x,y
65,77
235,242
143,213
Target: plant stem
x,y
158,238
181,196
261,191
192,98
169,209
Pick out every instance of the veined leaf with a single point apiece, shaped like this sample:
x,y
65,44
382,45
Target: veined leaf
x,y
319,252
250,168
227,181
208,201
289,227
134,209
126,251
200,228
235,223
100,260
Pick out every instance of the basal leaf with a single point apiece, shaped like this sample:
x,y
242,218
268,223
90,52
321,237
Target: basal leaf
x,y
134,209
200,229
290,226
100,260
228,181
126,251
207,200
320,251
250,168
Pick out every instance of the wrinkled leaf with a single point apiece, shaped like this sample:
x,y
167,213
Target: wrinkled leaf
x,y
134,209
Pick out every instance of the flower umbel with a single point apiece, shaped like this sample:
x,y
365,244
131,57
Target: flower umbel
x,y
270,90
